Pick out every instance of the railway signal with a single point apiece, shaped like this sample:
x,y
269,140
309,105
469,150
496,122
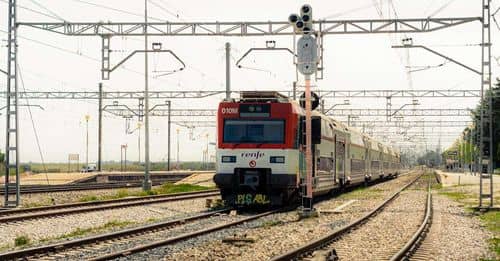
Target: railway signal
x,y
307,61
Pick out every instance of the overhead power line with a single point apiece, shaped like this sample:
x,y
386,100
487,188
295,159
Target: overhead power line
x,y
441,8
48,10
116,9
34,11
34,127
176,15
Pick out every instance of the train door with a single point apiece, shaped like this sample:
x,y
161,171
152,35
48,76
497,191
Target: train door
x,y
340,151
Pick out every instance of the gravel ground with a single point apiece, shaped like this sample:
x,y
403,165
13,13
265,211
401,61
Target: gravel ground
x,y
53,227
455,234
385,233
93,251
278,233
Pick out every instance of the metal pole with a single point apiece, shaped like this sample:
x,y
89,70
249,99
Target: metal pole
x,y
206,155
178,141
99,147
125,161
309,161
139,143
228,71
87,117
169,132
12,122
471,131
121,158
147,181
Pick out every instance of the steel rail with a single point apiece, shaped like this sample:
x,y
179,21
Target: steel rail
x,y
413,244
58,247
30,189
315,244
178,238
73,208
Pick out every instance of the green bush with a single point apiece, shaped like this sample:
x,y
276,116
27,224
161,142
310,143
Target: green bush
x,y
21,241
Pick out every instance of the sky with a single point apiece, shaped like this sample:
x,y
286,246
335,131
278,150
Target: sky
x,y
52,62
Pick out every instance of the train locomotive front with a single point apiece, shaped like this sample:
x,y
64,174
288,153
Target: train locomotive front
x,y
257,151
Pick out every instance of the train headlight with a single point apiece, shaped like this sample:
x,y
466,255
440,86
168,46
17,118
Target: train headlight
x,y
277,159
228,159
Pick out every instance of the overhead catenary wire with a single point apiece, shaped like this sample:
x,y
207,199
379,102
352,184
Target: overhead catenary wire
x,y
48,10
33,126
423,68
176,15
117,10
33,11
76,53
441,8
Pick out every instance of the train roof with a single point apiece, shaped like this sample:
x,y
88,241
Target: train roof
x,y
263,96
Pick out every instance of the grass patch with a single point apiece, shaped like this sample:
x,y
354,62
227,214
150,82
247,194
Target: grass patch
x,y
88,198
79,232
457,196
22,241
495,245
271,223
437,186
167,188
491,220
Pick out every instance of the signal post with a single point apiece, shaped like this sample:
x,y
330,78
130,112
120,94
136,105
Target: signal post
x,y
307,61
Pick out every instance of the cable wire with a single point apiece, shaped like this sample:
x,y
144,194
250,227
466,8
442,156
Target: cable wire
x,y
441,8
34,127
48,10
164,9
32,10
117,10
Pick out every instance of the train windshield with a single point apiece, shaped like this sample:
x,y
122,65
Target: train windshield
x,y
254,131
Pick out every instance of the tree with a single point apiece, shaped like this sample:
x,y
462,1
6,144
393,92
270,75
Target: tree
x,y
2,157
494,94
430,158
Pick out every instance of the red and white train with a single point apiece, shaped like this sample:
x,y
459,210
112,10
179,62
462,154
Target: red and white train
x,y
260,155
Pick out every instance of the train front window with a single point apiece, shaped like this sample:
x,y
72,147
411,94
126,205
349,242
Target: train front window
x,y
247,131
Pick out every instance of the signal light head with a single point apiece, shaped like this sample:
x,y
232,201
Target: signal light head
x,y
305,9
293,18
304,23
299,24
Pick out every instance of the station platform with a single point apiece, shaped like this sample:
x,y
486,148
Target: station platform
x,y
461,178
200,178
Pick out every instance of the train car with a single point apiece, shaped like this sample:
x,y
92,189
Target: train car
x,y
260,153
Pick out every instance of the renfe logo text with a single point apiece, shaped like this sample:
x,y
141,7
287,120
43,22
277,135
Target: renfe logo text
x,y
255,155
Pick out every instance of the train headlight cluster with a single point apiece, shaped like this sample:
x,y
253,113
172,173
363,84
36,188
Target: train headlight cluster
x,y
228,159
277,159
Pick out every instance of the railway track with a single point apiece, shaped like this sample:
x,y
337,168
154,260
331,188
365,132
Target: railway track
x,y
420,246
324,248
30,189
17,215
130,241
